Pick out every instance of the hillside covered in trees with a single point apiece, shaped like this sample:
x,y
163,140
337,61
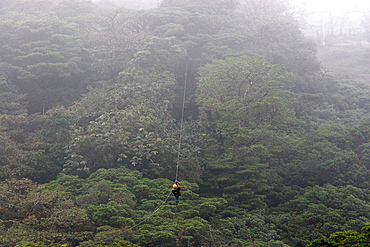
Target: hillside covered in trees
x,y
271,150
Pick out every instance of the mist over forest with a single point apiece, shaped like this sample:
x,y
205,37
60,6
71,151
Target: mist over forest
x,y
259,108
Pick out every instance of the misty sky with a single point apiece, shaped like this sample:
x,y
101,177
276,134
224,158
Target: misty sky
x,y
321,5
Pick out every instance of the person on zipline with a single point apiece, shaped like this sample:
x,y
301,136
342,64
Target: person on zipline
x,y
176,191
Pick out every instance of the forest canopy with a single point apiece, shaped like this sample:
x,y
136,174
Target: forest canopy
x,y
102,107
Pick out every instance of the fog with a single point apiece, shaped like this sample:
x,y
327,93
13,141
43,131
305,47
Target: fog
x,y
317,5
320,19
131,4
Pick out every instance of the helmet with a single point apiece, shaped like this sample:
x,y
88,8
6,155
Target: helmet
x,y
174,186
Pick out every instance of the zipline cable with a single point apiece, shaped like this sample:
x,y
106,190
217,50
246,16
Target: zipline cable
x,y
181,122
177,169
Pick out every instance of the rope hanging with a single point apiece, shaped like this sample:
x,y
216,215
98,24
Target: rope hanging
x,y
177,169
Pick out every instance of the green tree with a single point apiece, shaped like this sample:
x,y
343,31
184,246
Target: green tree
x,y
42,57
345,238
30,209
11,102
319,211
242,101
28,156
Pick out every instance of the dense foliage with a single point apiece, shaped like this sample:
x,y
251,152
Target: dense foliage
x,y
272,152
